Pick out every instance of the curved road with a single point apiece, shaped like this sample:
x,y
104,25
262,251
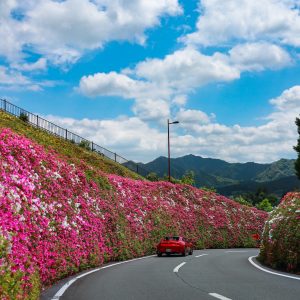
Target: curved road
x,y
207,274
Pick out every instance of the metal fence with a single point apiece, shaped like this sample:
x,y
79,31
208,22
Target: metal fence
x,y
64,133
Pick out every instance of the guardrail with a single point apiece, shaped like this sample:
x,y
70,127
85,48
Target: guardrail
x,y
64,133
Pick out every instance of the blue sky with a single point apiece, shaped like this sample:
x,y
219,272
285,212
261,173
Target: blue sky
x,y
115,71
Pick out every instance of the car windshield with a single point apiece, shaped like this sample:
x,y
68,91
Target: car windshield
x,y
172,238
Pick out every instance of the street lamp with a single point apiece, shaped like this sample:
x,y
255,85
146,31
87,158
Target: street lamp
x,y
169,160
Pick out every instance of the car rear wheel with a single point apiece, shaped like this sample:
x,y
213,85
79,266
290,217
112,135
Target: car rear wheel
x,y
159,254
191,252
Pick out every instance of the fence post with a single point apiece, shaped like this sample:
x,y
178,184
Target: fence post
x,y
37,120
92,146
66,134
115,157
4,104
137,168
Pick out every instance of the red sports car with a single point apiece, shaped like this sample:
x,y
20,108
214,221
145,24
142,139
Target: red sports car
x,y
174,245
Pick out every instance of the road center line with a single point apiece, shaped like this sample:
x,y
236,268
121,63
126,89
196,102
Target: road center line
x,y
265,270
178,267
201,255
236,251
219,296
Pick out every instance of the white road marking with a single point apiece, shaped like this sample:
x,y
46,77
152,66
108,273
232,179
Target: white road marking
x,y
265,270
236,251
201,255
219,296
62,290
178,267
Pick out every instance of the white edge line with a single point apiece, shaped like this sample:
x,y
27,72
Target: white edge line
x,y
178,267
201,255
219,296
64,288
68,284
265,270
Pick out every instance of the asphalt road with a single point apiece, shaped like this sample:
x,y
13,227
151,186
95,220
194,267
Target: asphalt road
x,y
213,275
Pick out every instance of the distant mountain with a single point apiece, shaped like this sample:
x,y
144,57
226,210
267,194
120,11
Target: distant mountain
x,y
278,187
229,177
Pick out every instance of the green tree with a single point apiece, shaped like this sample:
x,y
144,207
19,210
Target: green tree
x,y
188,178
265,205
208,189
152,176
297,148
24,117
173,180
85,145
240,199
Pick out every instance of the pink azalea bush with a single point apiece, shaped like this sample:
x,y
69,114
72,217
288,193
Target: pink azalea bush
x,y
57,219
280,247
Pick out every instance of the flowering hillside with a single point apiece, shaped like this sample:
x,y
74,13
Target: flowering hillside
x,y
58,218
280,246
71,152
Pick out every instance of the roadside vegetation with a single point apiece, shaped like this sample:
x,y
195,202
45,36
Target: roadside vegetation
x,y
297,149
60,213
280,246
261,199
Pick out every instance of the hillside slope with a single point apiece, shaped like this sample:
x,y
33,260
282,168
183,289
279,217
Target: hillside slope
x,y
71,152
57,217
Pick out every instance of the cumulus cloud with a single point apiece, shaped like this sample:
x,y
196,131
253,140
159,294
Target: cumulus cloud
x,y
157,84
191,116
259,56
225,22
200,134
63,30
288,101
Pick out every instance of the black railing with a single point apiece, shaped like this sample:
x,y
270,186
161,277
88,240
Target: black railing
x,y
64,133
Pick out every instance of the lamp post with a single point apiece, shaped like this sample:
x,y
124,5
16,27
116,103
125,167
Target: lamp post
x,y
169,160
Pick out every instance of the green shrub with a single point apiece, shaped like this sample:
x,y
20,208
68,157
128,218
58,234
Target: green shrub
x,y
85,145
24,117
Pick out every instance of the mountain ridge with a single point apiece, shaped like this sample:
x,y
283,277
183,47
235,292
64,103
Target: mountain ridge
x,y
220,174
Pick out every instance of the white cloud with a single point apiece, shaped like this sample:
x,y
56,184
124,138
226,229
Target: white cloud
x,y
115,84
191,116
199,134
288,101
158,84
174,75
152,109
63,30
39,65
179,100
13,79
8,77
187,68
259,56
223,22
